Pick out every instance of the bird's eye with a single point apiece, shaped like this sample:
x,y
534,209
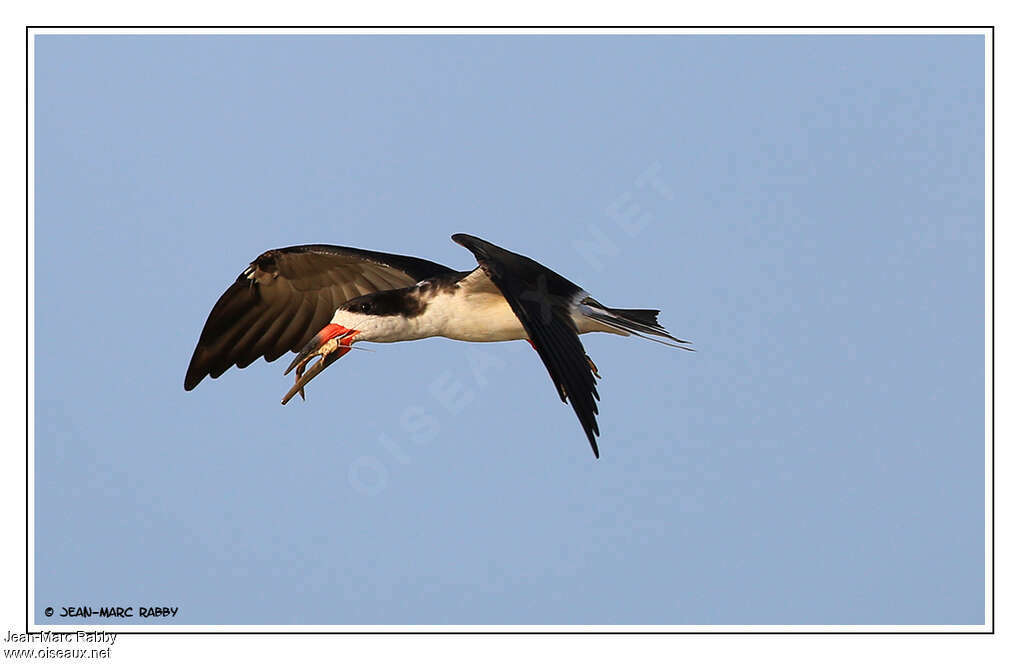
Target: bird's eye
x,y
365,307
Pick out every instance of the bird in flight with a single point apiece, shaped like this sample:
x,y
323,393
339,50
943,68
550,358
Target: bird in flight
x,y
317,300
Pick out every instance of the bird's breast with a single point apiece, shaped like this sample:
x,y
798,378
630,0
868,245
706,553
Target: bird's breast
x,y
475,316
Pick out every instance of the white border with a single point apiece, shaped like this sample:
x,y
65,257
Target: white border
x,y
989,330
513,31
427,629
31,409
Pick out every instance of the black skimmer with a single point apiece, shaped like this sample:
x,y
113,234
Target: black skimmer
x,y
317,300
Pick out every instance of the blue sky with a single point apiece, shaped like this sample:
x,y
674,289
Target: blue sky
x,y
807,210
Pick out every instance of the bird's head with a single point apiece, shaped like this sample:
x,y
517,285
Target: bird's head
x,y
374,317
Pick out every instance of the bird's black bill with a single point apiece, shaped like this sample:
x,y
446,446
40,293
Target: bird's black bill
x,y
329,344
303,378
306,354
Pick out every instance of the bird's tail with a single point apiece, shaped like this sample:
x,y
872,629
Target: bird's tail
x,y
640,322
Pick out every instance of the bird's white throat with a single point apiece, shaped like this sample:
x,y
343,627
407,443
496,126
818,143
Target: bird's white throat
x,y
460,314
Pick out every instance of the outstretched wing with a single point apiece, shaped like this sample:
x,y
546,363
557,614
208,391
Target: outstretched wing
x,y
286,295
543,300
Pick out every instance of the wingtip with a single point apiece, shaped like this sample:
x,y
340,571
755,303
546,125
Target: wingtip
x,y
472,242
198,368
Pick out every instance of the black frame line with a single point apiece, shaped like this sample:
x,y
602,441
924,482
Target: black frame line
x,y
28,220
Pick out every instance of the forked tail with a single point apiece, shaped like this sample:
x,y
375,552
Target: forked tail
x,y
640,322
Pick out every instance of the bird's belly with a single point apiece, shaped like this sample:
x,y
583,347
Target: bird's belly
x,y
483,317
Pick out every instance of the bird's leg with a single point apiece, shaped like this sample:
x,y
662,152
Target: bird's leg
x,y
562,394
590,362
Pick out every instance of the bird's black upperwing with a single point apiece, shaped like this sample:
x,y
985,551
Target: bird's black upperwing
x,y
287,295
541,299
